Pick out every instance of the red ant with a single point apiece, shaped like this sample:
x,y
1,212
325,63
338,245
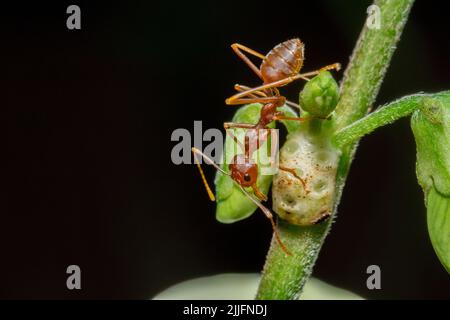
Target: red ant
x,y
244,172
279,67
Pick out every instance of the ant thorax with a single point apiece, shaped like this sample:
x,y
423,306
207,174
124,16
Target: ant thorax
x,y
315,160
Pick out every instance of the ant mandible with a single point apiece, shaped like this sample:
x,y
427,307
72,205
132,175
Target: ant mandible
x,y
243,172
279,67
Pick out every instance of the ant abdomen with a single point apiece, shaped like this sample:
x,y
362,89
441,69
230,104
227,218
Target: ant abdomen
x,y
284,60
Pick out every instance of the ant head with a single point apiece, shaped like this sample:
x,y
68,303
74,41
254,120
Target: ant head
x,y
245,173
243,170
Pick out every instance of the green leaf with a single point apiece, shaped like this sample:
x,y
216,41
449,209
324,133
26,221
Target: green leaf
x,y
438,220
232,204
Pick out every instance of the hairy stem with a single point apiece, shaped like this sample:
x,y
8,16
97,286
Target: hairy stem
x,y
284,277
383,116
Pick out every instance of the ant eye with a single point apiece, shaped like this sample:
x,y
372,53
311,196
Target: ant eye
x,y
247,177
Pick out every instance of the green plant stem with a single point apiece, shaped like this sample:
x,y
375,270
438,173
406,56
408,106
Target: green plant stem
x,y
284,276
383,116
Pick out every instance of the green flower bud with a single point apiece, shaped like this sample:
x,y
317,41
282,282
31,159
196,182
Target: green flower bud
x,y
320,95
431,128
232,204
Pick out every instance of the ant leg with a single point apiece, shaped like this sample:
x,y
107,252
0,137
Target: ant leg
x,y
228,125
252,142
239,97
234,138
269,215
321,218
241,88
237,49
308,118
196,152
243,96
280,116
294,173
289,118
241,100
279,83
293,104
261,196
334,66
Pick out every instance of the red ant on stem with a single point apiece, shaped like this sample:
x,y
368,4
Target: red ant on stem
x,y
279,67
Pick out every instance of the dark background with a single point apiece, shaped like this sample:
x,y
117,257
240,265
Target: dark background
x,y
87,176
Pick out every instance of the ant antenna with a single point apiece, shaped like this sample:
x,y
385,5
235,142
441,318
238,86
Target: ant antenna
x,y
196,152
269,215
236,140
293,104
334,66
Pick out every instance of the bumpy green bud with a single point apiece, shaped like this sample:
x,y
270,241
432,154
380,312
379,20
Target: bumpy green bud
x,y
232,204
431,127
310,200
320,95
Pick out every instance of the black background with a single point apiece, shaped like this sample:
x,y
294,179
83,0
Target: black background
x,y
87,174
